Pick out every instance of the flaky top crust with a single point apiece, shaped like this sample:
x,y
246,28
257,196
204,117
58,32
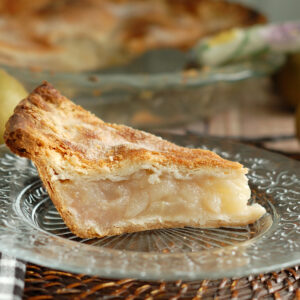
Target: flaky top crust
x,y
50,129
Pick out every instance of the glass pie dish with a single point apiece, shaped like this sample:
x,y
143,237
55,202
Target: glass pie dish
x,y
158,89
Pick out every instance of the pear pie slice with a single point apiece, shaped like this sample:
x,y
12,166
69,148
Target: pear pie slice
x,y
108,179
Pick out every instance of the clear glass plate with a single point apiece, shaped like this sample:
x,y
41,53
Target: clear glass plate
x,y
141,93
32,230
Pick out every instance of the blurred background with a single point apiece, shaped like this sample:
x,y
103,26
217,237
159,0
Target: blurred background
x,y
275,10
211,67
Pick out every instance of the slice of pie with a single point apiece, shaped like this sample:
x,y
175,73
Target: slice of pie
x,y
108,179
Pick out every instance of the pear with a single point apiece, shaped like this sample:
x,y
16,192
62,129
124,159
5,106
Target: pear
x,y
11,93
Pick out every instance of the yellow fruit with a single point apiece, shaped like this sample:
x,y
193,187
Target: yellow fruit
x,y
11,92
298,122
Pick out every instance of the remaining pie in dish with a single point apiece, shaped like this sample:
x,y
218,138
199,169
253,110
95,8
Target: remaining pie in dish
x,y
108,179
91,34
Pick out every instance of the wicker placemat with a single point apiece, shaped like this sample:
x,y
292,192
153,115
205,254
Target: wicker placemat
x,y
44,283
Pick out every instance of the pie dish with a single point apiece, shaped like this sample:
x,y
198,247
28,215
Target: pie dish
x,y
108,179
83,35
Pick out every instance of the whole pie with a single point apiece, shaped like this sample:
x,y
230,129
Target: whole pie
x,y
108,179
91,34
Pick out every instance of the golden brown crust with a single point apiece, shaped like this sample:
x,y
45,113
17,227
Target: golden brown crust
x,y
129,228
48,122
112,32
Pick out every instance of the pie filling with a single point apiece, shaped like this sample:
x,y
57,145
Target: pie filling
x,y
203,200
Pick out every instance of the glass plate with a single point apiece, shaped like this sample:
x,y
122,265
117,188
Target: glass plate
x,y
32,230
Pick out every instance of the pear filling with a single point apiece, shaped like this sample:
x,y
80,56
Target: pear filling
x,y
202,200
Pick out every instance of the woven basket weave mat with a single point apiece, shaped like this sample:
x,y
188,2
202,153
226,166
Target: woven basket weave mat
x,y
44,283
